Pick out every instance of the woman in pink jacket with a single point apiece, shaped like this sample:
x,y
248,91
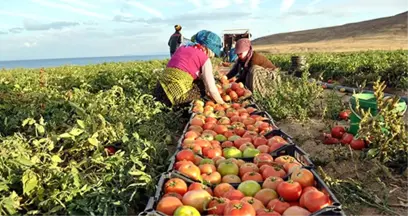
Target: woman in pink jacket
x,y
189,72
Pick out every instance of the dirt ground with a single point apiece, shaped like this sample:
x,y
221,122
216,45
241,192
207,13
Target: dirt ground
x,y
341,162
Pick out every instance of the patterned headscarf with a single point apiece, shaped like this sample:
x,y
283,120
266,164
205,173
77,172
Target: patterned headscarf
x,y
208,39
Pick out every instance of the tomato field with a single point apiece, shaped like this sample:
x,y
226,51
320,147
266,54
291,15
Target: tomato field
x,y
92,140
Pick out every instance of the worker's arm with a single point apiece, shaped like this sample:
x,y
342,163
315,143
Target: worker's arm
x,y
209,81
234,71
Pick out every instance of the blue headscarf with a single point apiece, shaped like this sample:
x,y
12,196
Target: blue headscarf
x,y
209,39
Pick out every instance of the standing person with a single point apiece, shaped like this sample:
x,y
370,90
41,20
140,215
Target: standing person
x,y
189,73
252,68
176,39
231,55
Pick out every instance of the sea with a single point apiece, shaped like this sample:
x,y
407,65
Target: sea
x,y
46,63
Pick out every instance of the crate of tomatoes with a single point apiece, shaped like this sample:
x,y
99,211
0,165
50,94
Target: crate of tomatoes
x,y
302,192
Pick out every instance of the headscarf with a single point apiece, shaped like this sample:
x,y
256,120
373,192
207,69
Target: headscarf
x,y
242,45
208,39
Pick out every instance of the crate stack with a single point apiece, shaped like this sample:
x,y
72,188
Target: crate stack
x,y
286,150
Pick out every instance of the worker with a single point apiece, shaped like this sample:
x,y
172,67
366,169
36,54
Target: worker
x,y
189,73
253,69
232,56
176,39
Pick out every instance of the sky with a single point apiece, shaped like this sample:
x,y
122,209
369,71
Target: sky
x,y
39,29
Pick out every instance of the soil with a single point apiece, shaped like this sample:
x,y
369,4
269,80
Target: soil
x,y
341,162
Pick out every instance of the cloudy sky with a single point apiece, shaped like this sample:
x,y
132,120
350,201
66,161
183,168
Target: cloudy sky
x,y
36,29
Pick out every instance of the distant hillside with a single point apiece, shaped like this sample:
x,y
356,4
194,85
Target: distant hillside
x,y
394,27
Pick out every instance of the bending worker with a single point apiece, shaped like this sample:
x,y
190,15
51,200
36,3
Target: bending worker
x,y
176,39
253,69
189,73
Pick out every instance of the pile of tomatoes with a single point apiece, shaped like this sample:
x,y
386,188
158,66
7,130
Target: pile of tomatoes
x,y
232,91
266,186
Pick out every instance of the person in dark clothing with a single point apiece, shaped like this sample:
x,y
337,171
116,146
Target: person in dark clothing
x,y
253,69
176,39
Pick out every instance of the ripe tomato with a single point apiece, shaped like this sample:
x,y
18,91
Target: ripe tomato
x,y
256,204
197,199
260,140
315,200
173,194
168,205
248,167
337,132
267,212
213,178
220,129
199,186
241,141
217,206
234,195
272,182
222,188
245,146
185,154
289,190
296,210
252,176
263,159
190,170
207,168
191,135
209,126
178,164
289,167
227,144
211,152
239,131
239,208
358,144
278,205
175,185
277,139
197,121
231,179
273,171
284,159
202,143
263,148
303,176
265,195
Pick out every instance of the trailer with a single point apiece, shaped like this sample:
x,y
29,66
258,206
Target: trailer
x,y
231,35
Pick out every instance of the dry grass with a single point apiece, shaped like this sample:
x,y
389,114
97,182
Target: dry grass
x,y
342,45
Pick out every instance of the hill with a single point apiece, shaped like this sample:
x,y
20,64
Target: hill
x,y
382,33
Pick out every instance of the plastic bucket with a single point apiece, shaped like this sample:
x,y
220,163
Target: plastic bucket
x,y
367,102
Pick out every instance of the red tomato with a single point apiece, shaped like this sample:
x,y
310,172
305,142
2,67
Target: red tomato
x,y
273,171
272,182
231,179
217,206
248,167
173,194
303,176
190,170
213,178
260,140
234,195
239,208
315,200
211,152
207,168
185,154
252,176
199,186
265,195
289,190
222,188
284,159
357,144
175,185
262,159
278,205
197,199
168,205
347,138
337,132
254,202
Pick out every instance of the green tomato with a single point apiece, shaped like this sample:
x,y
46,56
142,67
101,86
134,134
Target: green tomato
x,y
249,188
220,138
206,161
228,168
232,152
186,211
250,152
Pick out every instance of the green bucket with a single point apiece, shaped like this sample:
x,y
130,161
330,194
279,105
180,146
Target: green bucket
x,y
367,102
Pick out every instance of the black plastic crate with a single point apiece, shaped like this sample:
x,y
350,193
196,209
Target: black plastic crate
x,y
332,210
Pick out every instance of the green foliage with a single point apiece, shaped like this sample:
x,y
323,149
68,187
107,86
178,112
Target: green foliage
x,y
331,105
53,158
291,98
355,67
386,131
